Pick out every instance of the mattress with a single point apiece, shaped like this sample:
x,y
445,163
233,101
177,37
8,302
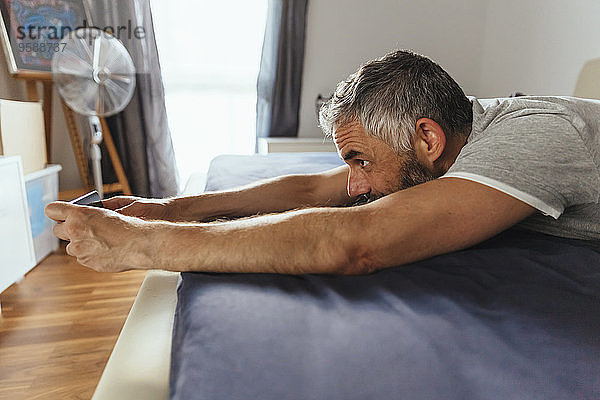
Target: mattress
x,y
515,317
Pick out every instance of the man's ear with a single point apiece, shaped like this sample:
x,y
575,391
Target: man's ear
x,y
430,141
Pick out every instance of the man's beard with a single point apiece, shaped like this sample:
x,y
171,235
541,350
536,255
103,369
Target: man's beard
x,y
412,173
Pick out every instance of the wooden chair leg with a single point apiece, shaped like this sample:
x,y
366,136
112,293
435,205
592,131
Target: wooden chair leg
x,y
47,106
32,90
114,157
81,157
77,144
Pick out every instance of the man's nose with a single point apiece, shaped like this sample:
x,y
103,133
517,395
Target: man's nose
x,y
357,184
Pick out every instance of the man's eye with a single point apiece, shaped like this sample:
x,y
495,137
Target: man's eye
x,y
363,163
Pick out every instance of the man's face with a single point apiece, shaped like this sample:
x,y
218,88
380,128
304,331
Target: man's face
x,y
376,170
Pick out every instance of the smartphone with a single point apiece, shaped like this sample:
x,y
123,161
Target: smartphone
x,y
91,199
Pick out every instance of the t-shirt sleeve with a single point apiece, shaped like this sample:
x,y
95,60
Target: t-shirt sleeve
x,y
539,159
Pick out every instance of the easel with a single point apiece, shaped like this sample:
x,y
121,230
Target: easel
x,y
122,184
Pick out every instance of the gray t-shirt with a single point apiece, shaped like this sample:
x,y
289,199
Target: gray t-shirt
x,y
544,151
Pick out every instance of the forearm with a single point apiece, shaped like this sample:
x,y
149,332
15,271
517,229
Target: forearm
x,y
274,195
304,241
268,196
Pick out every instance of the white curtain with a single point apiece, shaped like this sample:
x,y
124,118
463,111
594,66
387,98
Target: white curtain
x,y
210,55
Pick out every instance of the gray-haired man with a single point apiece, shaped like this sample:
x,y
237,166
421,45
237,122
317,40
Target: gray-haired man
x,y
443,173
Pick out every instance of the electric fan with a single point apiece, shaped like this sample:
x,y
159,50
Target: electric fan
x,y
95,75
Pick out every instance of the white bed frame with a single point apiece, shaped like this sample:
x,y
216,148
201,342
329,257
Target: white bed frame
x,y
139,365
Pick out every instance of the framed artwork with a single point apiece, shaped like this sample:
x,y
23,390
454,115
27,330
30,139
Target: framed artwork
x,y
32,31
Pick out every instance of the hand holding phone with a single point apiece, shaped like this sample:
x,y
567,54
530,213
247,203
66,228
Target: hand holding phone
x,y
91,199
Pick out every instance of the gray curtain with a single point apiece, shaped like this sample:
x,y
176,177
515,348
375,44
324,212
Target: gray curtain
x,y
141,132
280,77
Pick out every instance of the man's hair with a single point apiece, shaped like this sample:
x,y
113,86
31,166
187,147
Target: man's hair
x,y
390,94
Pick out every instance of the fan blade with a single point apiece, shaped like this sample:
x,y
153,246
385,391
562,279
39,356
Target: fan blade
x,y
100,101
108,102
115,90
83,45
121,78
97,44
66,72
95,74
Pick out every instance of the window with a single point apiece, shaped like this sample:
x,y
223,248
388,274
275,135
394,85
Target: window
x,y
209,54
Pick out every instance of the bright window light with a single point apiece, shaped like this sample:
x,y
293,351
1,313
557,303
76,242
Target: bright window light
x,y
209,53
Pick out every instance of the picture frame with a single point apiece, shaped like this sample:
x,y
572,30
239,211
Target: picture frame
x,y
31,31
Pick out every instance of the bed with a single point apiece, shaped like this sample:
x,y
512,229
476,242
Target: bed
x,y
515,317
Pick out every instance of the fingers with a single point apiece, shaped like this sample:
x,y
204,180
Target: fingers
x,y
71,219
72,228
89,255
60,231
58,210
71,249
132,210
117,202
81,250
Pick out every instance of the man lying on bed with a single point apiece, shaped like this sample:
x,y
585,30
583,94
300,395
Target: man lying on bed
x,y
436,173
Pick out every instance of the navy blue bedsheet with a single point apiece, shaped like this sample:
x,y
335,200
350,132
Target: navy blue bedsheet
x,y
516,317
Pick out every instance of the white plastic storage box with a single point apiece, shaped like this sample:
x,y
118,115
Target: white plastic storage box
x,y
42,189
16,247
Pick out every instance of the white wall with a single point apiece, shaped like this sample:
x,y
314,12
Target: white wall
x,y
62,149
342,34
62,153
491,47
537,46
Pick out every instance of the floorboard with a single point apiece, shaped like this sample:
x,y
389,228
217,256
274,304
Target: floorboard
x,y
58,328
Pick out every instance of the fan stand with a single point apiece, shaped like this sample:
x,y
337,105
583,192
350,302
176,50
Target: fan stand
x,y
122,184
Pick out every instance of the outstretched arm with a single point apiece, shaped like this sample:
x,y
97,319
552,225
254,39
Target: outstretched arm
x,y
433,218
270,196
267,196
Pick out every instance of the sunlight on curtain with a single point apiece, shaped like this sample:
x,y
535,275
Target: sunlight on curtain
x,y
209,53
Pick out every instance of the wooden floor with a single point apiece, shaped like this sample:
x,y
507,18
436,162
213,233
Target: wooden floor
x,y
58,328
